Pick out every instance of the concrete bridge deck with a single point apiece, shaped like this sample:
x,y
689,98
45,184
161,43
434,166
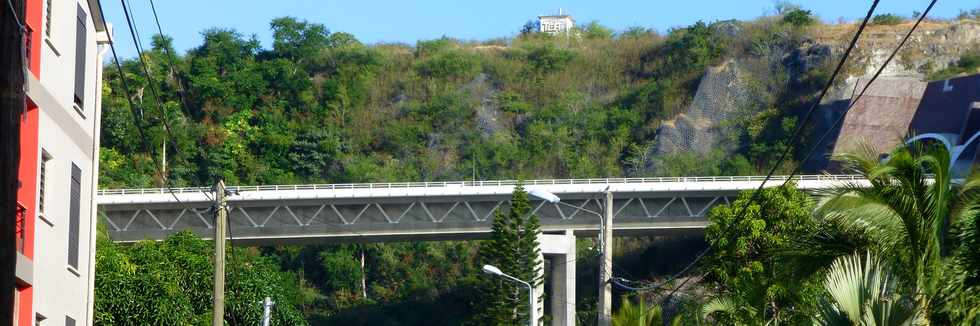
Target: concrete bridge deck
x,y
374,212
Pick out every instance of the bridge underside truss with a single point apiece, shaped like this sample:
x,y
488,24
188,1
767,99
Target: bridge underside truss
x,y
394,219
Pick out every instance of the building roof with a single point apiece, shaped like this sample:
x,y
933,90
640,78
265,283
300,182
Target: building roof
x,y
945,106
882,116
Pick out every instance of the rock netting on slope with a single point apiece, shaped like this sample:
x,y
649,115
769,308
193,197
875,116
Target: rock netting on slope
x,y
719,96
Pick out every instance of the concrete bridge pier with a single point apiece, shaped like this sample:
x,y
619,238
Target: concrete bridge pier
x,y
560,249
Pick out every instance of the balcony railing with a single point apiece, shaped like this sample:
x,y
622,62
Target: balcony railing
x,y
21,227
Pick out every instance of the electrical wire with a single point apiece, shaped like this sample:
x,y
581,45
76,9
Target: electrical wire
x,y
149,80
170,60
867,85
793,139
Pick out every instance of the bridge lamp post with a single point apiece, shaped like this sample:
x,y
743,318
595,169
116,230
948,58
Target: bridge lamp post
x,y
605,250
493,270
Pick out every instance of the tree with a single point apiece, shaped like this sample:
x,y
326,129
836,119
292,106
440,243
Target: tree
x,y
799,18
297,40
744,251
169,283
594,30
905,213
862,290
513,247
530,27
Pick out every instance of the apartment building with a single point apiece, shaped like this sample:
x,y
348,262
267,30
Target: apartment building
x,y
65,42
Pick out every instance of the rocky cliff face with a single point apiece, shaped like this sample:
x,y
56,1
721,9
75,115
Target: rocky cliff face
x,y
720,94
723,92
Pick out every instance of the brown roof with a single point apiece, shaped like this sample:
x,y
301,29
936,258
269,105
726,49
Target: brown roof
x,y
945,105
882,116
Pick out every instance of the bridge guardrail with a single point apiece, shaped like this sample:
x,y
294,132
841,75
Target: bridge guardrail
x,y
389,185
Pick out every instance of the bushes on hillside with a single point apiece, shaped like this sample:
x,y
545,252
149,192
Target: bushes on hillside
x,y
887,19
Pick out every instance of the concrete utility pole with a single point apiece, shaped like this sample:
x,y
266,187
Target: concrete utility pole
x,y
219,253
267,310
605,268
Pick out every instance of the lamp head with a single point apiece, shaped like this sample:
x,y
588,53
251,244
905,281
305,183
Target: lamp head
x,y
544,195
490,269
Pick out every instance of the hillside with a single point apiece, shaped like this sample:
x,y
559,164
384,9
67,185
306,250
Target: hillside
x,y
321,107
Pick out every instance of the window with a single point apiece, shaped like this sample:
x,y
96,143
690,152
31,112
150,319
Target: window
x,y
73,215
80,46
47,18
69,321
45,157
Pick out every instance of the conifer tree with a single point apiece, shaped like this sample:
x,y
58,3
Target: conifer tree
x,y
513,247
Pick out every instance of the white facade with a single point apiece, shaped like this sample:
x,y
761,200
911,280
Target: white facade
x,y
555,24
68,138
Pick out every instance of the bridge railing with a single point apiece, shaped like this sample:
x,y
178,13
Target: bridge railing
x,y
389,185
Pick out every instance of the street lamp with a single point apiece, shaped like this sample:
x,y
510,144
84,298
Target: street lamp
x,y
554,199
493,270
605,253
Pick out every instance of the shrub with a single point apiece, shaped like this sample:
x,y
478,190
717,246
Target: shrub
x,y
799,18
887,19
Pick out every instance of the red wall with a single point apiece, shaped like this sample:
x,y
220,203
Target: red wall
x,y
29,156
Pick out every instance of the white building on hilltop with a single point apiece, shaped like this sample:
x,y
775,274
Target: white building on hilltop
x,y
555,24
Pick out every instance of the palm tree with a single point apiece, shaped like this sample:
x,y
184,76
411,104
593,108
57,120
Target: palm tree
x,y
862,289
638,314
904,211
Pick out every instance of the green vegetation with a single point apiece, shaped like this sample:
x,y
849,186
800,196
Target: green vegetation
x,y
900,252
745,243
637,314
513,248
887,19
321,107
862,290
799,18
169,283
969,63
906,213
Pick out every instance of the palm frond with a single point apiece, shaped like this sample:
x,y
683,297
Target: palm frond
x,y
861,292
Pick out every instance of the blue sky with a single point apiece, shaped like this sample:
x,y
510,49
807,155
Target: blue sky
x,y
409,21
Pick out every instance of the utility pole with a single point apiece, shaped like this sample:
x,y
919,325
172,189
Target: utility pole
x,y
605,268
219,253
363,276
267,311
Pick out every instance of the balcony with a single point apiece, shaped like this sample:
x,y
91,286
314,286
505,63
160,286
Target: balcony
x,y
21,227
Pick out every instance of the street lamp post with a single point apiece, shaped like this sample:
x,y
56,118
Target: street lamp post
x,y
493,270
605,250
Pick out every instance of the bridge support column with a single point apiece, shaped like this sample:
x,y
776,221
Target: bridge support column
x,y
560,249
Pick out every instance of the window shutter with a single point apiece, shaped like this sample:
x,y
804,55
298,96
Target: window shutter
x,y
73,215
80,45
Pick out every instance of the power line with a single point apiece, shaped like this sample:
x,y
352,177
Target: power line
x,y
867,85
170,60
793,139
149,81
136,111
